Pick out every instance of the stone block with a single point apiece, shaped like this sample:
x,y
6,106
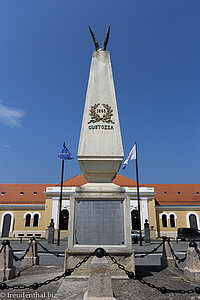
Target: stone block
x,y
7,270
31,258
167,259
192,269
99,284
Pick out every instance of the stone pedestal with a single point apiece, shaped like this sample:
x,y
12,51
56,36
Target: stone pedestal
x,y
167,259
99,285
7,270
147,238
101,219
192,269
31,258
51,232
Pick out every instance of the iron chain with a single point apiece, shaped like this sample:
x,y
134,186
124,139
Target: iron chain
x,y
162,289
152,251
176,258
131,275
35,286
22,257
57,254
81,262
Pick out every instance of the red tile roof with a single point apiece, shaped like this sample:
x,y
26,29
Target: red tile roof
x,y
187,194
79,180
12,193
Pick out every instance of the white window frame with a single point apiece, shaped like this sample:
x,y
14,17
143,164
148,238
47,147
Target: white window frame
x,y
188,219
11,222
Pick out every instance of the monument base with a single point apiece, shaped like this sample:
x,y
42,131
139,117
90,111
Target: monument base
x,y
100,218
127,259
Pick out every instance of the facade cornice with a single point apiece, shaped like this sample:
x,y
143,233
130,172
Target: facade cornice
x,y
22,206
177,207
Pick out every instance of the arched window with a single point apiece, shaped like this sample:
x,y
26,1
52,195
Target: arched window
x,y
193,221
164,220
134,219
35,220
172,221
28,220
64,219
6,225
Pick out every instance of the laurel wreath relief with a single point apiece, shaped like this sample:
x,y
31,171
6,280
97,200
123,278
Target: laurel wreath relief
x,y
95,117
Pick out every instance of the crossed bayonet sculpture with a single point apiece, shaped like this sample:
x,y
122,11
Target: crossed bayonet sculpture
x,y
105,42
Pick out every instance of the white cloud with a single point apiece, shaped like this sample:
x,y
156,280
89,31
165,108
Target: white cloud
x,y
11,116
5,145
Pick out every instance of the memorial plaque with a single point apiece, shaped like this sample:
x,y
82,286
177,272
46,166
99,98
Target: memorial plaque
x,y
99,222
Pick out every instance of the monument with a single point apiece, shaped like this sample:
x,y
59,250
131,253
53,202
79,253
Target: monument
x,y
100,210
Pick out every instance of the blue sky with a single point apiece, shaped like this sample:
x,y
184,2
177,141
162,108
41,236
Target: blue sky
x,y
45,57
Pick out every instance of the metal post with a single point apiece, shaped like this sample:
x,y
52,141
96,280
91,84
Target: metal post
x,y
60,202
138,196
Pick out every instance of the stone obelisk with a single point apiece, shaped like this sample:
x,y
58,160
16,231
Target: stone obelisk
x,y
100,210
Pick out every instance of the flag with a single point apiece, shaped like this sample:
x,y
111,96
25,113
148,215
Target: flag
x,y
65,154
132,155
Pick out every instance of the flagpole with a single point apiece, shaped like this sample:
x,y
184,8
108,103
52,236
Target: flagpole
x,y
60,201
138,196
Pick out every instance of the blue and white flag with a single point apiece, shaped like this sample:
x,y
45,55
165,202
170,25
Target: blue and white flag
x,y
132,155
65,154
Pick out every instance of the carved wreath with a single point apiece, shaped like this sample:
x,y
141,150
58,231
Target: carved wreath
x,y
95,117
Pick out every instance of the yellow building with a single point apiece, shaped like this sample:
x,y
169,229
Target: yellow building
x,y
27,209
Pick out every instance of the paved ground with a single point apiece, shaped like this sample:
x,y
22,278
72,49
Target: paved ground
x,y
73,289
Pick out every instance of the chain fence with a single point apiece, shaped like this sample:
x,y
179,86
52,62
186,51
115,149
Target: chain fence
x,y
100,252
150,252
16,258
55,253
176,258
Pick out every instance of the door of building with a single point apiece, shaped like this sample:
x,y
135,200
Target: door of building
x,y
135,219
6,225
193,221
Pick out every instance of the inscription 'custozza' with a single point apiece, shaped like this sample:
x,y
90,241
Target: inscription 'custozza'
x,y
104,127
103,113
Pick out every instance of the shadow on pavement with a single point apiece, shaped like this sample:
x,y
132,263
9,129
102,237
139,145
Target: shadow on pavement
x,y
147,271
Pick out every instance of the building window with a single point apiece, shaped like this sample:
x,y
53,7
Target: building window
x,y
193,221
64,219
172,221
197,193
35,220
21,193
2,193
165,193
178,193
28,220
35,193
164,220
